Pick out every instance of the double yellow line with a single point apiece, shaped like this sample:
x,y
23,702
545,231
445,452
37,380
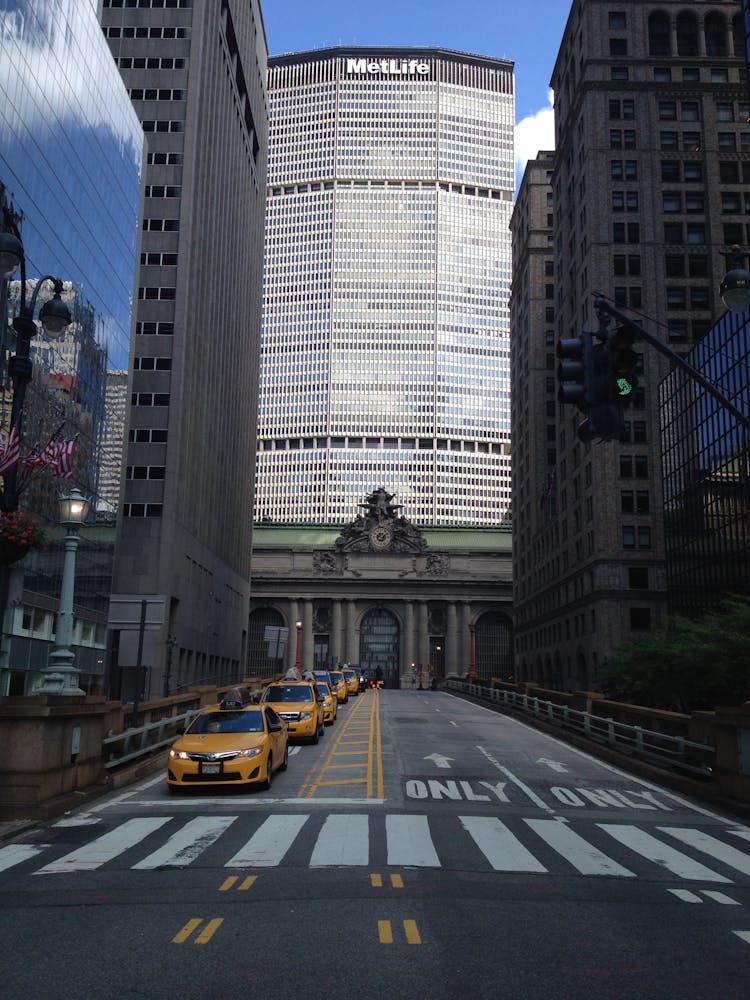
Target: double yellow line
x,y
344,746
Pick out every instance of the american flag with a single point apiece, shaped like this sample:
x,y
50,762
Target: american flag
x,y
45,456
63,461
11,455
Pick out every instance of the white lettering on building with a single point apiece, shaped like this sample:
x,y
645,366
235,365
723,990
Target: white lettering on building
x,y
388,67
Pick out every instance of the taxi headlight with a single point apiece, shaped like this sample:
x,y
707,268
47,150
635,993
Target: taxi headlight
x,y
252,752
305,715
178,755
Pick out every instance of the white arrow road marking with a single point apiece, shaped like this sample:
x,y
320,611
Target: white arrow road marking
x,y
439,759
745,935
554,764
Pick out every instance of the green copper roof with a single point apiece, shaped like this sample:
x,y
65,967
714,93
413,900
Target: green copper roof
x,y
437,537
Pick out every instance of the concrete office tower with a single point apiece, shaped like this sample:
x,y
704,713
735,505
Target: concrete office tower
x,y
196,74
652,159
385,356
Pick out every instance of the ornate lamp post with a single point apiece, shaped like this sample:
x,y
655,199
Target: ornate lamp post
x,y
54,316
60,675
298,657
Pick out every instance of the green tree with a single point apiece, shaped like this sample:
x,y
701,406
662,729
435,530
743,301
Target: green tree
x,y
696,664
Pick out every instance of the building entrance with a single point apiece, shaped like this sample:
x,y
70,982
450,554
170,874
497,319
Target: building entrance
x,y
378,646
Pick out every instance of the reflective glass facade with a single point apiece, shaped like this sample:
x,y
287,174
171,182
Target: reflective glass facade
x,y
707,471
70,155
385,352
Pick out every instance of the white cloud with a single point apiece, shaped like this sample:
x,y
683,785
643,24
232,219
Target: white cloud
x,y
534,133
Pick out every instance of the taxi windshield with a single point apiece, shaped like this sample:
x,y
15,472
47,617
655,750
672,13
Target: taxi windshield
x,y
337,677
323,689
227,722
288,692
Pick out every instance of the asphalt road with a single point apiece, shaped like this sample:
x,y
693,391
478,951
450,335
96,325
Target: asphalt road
x,y
426,848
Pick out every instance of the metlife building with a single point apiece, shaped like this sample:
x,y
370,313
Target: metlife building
x,y
385,345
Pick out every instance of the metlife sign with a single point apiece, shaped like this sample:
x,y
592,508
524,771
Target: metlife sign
x,y
387,67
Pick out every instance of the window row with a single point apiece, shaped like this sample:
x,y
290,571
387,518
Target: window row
x,y
149,399
145,472
111,32
154,329
161,225
151,125
163,191
183,4
164,62
636,537
142,364
169,159
142,509
147,435
151,94
149,292
159,259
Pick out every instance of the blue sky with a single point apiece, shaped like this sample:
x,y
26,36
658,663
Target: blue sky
x,y
526,31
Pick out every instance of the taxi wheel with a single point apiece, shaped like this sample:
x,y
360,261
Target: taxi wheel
x,y
285,762
316,736
269,774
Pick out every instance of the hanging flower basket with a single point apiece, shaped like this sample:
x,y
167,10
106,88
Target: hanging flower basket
x,y
18,534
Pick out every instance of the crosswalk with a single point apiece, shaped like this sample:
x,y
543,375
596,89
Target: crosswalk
x,y
404,840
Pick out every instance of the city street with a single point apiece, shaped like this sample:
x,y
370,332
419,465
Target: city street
x,y
426,848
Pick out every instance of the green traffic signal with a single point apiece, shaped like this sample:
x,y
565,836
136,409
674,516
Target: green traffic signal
x,y
624,387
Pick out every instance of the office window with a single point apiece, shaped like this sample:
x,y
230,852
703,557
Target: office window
x,y
730,202
693,171
689,111
719,75
696,233
698,266
727,140
691,142
617,20
729,172
662,74
676,297
674,265
619,73
725,111
667,111
638,577
694,201
670,170
618,46
668,140
671,201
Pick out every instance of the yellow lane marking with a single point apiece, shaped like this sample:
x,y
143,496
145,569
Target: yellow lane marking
x,y
247,883
376,881
377,750
397,882
412,934
385,932
228,883
341,781
313,781
186,931
211,928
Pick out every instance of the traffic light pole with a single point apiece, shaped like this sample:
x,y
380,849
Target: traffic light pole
x,y
602,305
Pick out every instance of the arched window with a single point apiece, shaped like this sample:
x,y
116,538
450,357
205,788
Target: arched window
x,y
687,34
379,646
494,646
658,34
267,643
716,35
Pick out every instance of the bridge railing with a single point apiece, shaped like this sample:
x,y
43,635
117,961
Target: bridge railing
x,y
666,750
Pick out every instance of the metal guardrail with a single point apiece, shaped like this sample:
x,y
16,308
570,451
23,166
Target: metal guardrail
x,y
142,741
675,752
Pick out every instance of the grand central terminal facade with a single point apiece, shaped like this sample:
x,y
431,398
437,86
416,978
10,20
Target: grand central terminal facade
x,y
382,593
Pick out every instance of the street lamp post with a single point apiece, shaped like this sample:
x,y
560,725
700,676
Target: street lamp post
x,y
54,316
60,675
298,656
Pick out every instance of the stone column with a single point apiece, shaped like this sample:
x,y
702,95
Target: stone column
x,y
334,654
308,639
423,648
409,640
352,633
451,640
464,638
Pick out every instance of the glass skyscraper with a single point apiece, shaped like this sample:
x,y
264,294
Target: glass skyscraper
x,y
385,346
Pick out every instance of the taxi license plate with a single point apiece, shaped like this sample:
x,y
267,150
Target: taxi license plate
x,y
210,768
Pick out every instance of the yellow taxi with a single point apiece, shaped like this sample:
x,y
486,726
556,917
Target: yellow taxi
x,y
352,680
340,687
330,702
299,705
229,744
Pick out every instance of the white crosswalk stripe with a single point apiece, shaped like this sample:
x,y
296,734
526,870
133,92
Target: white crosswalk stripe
x,y
190,841
106,847
410,840
16,854
269,843
503,851
579,852
660,853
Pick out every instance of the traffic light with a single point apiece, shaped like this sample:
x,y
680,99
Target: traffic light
x,y
622,361
575,370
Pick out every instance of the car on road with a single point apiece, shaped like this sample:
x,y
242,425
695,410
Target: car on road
x,y
330,702
340,687
234,745
299,705
352,680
